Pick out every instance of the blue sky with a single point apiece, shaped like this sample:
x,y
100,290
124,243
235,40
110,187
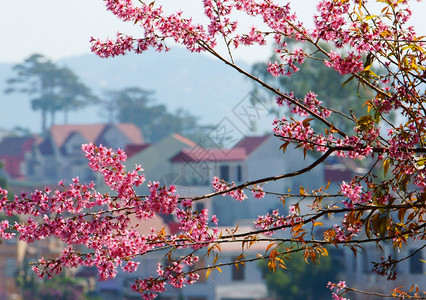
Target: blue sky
x,y
59,28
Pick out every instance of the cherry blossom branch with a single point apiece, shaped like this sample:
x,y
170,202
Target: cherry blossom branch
x,y
274,90
266,179
314,217
412,254
393,296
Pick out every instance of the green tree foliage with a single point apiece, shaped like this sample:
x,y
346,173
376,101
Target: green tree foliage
x,y
135,105
20,131
336,91
301,280
74,94
51,88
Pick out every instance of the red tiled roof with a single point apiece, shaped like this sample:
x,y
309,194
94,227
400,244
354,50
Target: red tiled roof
x,y
15,146
133,149
92,132
12,151
184,140
144,226
239,152
136,148
203,154
251,143
132,132
337,173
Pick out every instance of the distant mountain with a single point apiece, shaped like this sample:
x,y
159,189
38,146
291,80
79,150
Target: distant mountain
x,y
205,87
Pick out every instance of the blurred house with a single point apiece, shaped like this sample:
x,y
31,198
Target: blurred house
x,y
155,161
253,157
12,153
59,155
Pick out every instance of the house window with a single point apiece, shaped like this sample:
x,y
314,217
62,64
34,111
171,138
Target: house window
x,y
199,206
224,173
50,171
365,264
354,263
239,173
31,167
76,148
416,265
238,272
10,267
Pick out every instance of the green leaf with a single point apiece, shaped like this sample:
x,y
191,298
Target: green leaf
x,y
421,162
370,17
383,225
348,80
386,164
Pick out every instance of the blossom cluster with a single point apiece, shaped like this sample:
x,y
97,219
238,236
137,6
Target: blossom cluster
x,y
339,288
4,227
310,101
221,186
258,192
78,215
175,274
271,222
